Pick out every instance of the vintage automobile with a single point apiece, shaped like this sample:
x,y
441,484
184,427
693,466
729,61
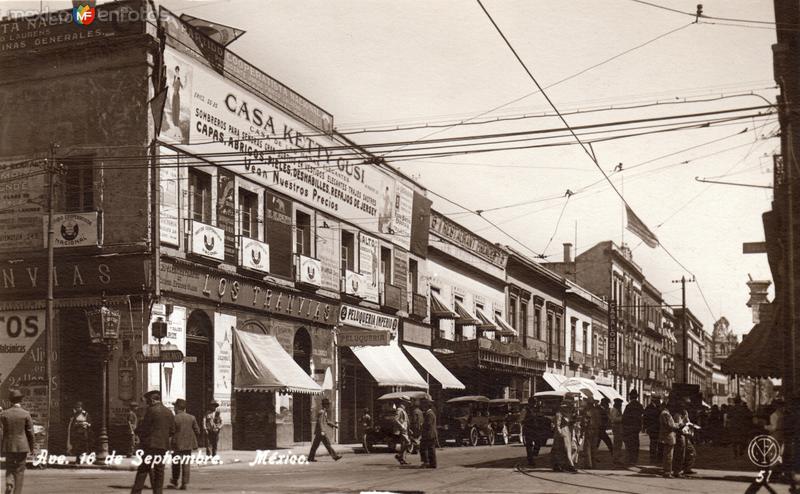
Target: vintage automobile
x,y
549,402
466,419
504,415
384,428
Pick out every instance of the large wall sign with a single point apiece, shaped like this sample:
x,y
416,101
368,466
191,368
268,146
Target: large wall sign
x,y
223,361
173,374
328,238
367,319
369,266
19,337
21,205
226,212
278,153
169,232
278,220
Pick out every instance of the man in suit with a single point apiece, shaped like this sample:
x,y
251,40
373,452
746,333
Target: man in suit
x,y
666,434
183,443
321,432
16,438
154,432
429,437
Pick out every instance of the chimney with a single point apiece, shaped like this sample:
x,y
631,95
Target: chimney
x,y
567,252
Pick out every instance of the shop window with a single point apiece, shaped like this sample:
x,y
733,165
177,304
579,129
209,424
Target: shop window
x,y
348,251
78,186
200,196
248,218
302,233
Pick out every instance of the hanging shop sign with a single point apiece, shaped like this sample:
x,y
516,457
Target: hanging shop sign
x,y
457,234
74,230
367,319
207,241
359,337
612,335
308,270
353,284
254,255
223,360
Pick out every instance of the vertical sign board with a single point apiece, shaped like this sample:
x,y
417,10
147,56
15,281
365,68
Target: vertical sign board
x,y
168,195
369,264
612,335
278,219
400,271
223,360
21,205
328,239
173,384
226,212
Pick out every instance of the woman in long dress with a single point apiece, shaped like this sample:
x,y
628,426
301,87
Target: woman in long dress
x,y
177,86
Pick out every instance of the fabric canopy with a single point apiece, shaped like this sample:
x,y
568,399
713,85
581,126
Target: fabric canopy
x,y
464,316
610,393
263,365
505,328
581,384
389,366
435,368
485,323
760,354
440,309
554,380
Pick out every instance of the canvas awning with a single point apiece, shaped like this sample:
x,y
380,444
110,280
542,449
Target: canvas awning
x,y
440,309
610,393
486,323
582,384
389,366
430,363
760,354
465,317
263,365
554,380
505,328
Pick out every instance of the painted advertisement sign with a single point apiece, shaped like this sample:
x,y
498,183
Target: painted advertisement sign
x,y
173,382
279,234
457,234
358,317
168,195
223,360
369,264
21,205
328,239
226,212
277,152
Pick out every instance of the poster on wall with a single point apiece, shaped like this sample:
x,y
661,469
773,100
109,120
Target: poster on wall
x,y
278,219
226,212
328,241
369,266
173,378
224,118
169,231
223,360
21,205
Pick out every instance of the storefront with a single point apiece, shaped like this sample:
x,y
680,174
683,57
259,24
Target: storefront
x,y
416,342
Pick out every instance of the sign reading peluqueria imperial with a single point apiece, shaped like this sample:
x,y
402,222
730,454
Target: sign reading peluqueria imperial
x,y
221,287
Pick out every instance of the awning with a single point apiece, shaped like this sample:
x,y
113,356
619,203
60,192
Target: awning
x,y
505,328
486,323
389,366
610,393
465,317
554,380
440,309
263,365
579,384
435,368
760,354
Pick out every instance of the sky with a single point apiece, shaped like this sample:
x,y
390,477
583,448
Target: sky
x,y
375,64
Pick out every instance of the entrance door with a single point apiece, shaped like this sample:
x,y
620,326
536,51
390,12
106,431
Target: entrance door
x,y
200,373
301,403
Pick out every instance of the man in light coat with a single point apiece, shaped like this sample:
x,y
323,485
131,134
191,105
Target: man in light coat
x,y
666,435
16,439
184,442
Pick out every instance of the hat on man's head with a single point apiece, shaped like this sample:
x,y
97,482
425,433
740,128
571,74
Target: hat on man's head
x,y
78,404
180,403
633,394
213,404
617,400
15,396
326,401
153,395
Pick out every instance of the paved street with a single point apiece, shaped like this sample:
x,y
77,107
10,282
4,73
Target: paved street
x,y
497,469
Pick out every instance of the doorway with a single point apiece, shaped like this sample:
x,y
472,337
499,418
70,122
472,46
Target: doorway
x,y
200,365
301,403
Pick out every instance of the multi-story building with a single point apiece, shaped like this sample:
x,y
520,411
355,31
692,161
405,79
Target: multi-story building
x,y
691,348
653,342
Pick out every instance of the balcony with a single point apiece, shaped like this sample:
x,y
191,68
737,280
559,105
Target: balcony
x,y
487,354
577,358
588,361
419,306
391,297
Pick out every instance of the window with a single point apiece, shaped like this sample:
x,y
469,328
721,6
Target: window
x,y
78,186
348,251
302,233
413,276
386,266
200,196
558,334
459,333
573,323
537,322
248,218
524,329
436,291
550,335
512,311
586,338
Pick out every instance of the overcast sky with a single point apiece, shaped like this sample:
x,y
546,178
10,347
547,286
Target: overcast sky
x,y
378,63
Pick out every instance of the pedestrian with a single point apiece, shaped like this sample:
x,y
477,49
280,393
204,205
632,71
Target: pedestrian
x,y
667,436
740,421
78,431
651,427
324,428
212,424
605,424
154,431
715,424
401,431
429,437
133,422
775,428
16,441
592,424
615,417
535,429
685,452
562,437
366,421
632,426
184,442
415,427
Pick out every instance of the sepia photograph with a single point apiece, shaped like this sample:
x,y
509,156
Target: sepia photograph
x,y
374,246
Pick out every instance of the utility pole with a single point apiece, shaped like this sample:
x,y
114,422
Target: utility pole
x,y
684,332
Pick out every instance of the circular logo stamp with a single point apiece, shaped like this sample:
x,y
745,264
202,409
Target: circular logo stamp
x,y
764,451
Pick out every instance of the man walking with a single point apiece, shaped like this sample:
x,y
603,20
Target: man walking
x,y
212,424
133,422
323,429
401,420
666,435
605,423
615,416
183,443
532,425
685,453
650,422
591,432
632,426
16,439
429,437
154,432
415,429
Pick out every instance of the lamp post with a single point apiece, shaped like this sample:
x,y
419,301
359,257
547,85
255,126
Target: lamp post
x,y
104,330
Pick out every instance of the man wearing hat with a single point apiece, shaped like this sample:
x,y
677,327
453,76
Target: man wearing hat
x,y
592,422
632,426
429,437
154,432
323,429
615,417
133,422
183,443
650,423
212,424
78,431
16,439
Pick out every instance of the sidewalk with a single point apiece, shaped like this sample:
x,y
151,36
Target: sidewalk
x,y
228,457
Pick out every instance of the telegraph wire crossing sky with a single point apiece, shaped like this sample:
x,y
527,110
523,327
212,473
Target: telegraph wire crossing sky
x,y
413,65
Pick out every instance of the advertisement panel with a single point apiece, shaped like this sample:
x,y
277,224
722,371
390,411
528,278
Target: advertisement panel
x,y
275,150
358,317
74,230
169,231
208,241
226,212
21,205
308,270
254,255
328,236
369,264
278,219
223,360
173,384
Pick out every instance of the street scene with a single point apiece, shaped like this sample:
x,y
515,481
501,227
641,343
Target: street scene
x,y
368,246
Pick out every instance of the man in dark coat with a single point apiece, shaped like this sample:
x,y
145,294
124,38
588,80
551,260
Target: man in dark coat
x,y
184,442
632,426
16,439
650,422
154,431
429,436
415,428
605,424
535,429
322,431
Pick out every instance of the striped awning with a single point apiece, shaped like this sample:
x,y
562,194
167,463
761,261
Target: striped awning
x,y
440,309
505,328
486,323
465,317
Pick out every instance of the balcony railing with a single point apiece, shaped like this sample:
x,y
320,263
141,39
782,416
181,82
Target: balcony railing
x,y
419,306
489,351
391,297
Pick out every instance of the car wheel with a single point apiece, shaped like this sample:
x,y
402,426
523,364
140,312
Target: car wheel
x,y
474,437
490,436
505,435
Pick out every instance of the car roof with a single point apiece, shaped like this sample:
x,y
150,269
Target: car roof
x,y
503,400
468,399
408,395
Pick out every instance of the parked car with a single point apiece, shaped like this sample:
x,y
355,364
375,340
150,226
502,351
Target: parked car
x,y
550,401
466,419
504,416
384,428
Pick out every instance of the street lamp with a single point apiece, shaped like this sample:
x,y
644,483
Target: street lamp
x,y
104,330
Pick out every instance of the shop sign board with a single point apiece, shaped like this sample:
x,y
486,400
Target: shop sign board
x,y
462,237
360,337
254,255
369,255
173,374
207,240
21,204
358,317
416,333
612,335
328,240
223,361
353,284
74,230
308,270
